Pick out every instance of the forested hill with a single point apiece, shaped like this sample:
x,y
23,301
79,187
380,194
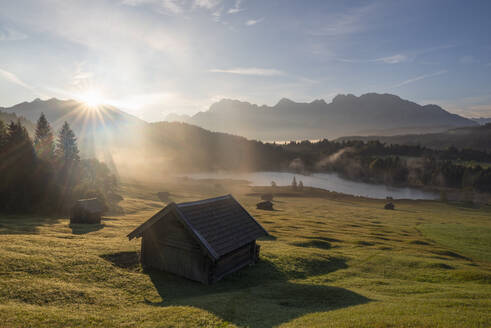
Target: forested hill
x,y
478,137
190,148
369,114
11,117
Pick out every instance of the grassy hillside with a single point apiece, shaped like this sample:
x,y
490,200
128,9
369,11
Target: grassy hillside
x,y
333,261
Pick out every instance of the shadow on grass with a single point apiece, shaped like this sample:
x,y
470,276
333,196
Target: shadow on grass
x,y
80,229
124,260
313,243
258,296
23,224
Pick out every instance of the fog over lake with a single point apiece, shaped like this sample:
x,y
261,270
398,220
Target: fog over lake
x,y
328,181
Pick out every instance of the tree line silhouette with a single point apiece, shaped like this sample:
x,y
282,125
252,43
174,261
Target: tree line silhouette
x,y
374,161
46,175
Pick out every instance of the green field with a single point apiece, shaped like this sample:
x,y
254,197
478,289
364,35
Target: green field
x,y
332,261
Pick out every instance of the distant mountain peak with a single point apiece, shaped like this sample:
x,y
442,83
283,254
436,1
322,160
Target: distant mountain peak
x,y
284,102
346,114
319,102
344,98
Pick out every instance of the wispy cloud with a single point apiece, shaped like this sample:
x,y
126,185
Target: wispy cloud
x,y
208,4
395,59
236,8
9,34
217,14
164,6
11,77
419,78
252,22
249,71
348,22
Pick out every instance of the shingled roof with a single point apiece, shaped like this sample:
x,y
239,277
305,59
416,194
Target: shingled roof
x,y
92,205
219,224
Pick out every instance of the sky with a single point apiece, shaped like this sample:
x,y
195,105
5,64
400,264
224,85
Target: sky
x,y
155,57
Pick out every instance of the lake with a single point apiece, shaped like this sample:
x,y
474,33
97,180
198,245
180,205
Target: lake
x,y
327,181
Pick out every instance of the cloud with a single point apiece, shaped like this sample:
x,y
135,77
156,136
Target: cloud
x,y
349,22
217,14
163,6
208,4
395,59
252,22
419,78
249,71
14,79
8,34
236,8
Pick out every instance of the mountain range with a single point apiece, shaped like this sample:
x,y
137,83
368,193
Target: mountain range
x,y
368,114
128,143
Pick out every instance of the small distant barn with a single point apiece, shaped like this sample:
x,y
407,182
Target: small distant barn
x,y
389,206
87,211
265,205
202,240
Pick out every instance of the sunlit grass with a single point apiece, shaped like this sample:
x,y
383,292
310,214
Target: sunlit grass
x,y
333,261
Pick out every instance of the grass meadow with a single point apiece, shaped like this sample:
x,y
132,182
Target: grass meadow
x,y
331,261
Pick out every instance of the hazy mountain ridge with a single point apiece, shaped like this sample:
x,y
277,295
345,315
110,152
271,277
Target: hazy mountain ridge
x,y
346,115
78,115
482,120
131,144
477,137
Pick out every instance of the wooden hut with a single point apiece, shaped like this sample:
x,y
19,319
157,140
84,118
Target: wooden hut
x,y
202,240
265,205
389,206
87,211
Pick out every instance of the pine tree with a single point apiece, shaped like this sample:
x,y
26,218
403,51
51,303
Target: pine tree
x,y
17,140
294,183
44,140
67,149
3,137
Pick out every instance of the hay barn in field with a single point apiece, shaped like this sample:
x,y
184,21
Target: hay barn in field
x,y
202,240
87,211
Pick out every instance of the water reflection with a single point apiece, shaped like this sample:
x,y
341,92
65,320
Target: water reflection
x,y
328,181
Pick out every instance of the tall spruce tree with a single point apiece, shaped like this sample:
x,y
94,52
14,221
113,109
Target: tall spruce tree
x,y
67,148
3,136
294,183
17,168
44,140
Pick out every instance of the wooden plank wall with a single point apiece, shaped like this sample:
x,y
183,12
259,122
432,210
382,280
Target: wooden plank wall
x,y
168,246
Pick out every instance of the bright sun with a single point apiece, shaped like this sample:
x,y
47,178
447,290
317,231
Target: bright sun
x,y
92,98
